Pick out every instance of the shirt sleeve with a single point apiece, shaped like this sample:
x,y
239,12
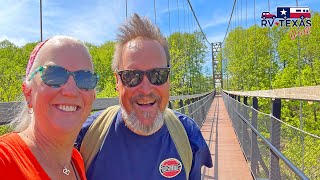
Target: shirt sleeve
x,y
85,128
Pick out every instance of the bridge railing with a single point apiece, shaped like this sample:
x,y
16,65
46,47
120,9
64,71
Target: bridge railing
x,y
198,110
273,148
195,106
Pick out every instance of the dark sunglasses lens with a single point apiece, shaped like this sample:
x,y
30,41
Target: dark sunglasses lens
x,y
54,76
131,78
158,76
85,80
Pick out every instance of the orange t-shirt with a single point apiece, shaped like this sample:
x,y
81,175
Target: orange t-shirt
x,y
18,162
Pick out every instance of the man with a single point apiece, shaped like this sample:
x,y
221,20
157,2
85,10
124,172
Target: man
x,y
138,144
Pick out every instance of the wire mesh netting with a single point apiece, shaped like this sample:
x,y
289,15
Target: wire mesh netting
x,y
301,148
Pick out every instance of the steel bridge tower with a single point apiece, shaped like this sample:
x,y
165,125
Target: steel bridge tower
x,y
217,75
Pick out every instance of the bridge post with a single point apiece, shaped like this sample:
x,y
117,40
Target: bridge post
x,y
254,144
188,105
170,105
203,115
181,106
240,122
217,77
246,138
190,108
275,139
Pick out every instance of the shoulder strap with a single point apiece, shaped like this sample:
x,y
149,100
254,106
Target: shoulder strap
x,y
180,139
95,135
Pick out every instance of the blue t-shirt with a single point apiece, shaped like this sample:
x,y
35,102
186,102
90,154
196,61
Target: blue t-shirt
x,y
125,155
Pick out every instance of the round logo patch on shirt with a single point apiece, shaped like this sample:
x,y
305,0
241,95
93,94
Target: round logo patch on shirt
x,y
170,168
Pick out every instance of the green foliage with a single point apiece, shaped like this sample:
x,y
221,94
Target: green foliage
x,y
4,129
187,60
187,53
102,59
13,62
248,54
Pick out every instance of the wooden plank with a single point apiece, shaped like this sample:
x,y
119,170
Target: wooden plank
x,y
307,93
227,156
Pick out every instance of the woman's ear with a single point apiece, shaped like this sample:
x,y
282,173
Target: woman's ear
x,y
27,93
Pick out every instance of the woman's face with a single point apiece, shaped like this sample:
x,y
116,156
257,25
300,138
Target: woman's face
x,y
62,109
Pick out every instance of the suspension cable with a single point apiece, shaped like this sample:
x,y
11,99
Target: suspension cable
x,y
198,22
178,16
234,3
241,13
155,13
300,105
270,53
126,9
169,17
255,39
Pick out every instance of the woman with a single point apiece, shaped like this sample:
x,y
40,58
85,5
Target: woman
x,y
59,92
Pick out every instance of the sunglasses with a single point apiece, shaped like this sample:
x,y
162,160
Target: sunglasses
x,y
132,78
56,76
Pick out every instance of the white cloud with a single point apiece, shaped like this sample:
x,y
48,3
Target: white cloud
x,y
17,22
17,41
95,22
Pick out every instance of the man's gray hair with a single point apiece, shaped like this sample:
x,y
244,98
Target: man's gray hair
x,y
135,27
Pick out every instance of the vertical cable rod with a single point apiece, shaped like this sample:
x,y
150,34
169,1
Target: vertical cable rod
x,y
155,12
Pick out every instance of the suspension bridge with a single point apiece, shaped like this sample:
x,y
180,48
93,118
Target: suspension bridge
x,y
254,127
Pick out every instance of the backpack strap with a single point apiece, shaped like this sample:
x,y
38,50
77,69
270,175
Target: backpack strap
x,y
180,139
95,135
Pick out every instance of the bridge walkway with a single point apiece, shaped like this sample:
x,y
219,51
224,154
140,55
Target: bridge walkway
x,y
227,157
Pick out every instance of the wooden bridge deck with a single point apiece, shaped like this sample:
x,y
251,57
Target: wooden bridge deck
x,y
228,159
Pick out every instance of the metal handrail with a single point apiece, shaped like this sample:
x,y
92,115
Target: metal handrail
x,y
297,171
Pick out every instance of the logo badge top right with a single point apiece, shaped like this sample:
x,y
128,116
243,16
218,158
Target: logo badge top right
x,y
288,17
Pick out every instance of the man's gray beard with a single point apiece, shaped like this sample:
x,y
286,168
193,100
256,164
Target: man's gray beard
x,y
134,123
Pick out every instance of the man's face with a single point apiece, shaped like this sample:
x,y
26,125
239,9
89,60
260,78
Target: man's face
x,y
145,102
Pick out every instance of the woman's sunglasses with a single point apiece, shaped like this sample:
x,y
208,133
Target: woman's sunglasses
x,y
132,78
56,76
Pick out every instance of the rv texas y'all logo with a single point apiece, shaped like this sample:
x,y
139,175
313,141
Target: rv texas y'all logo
x,y
288,17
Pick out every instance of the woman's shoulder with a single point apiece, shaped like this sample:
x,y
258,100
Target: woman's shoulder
x,y
8,144
13,147
9,140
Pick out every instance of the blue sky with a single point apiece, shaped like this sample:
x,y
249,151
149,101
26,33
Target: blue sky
x,y
96,21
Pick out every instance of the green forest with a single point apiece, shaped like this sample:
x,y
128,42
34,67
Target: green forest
x,y
187,66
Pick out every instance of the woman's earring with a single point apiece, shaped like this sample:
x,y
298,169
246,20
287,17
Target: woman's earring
x,y
30,110
29,104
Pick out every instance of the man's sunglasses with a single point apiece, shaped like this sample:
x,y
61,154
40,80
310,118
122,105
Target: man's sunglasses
x,y
56,76
132,78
